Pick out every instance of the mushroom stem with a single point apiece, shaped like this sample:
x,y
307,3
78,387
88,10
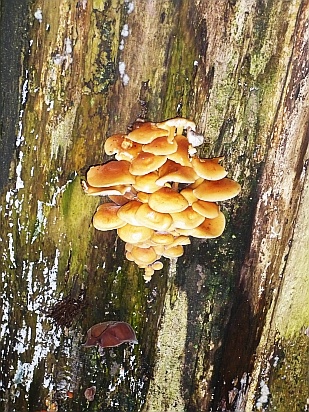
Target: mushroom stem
x,y
175,186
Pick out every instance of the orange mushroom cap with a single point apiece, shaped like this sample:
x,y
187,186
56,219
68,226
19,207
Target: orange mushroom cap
x,y
143,197
146,183
145,255
105,217
113,144
174,172
173,252
207,209
162,238
161,146
217,190
166,200
181,155
129,150
110,174
157,265
153,219
134,234
146,133
145,163
179,240
187,219
187,193
127,212
104,191
210,228
149,271
209,169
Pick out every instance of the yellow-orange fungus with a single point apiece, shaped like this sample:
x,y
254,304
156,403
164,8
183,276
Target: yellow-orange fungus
x,y
160,192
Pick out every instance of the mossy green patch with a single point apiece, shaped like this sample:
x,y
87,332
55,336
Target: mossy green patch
x,y
292,310
289,378
73,226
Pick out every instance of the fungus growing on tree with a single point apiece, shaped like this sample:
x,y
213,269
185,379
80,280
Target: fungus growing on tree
x,y
90,392
110,334
163,193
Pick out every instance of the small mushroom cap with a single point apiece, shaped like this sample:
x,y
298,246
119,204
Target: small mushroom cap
x,y
134,234
105,217
149,271
128,211
116,334
146,133
145,163
187,193
145,255
157,265
173,252
181,155
174,172
179,122
143,197
161,146
89,393
194,185
94,333
146,183
129,256
166,200
179,240
209,169
148,217
104,191
210,228
187,219
110,174
110,334
207,209
162,238
159,249
128,151
217,190
113,144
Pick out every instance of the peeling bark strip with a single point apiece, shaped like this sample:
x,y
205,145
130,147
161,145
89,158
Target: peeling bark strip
x,y
237,305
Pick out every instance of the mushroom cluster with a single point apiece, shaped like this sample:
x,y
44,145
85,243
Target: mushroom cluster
x,y
160,192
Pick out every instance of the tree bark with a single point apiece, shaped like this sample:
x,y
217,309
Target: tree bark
x,y
225,327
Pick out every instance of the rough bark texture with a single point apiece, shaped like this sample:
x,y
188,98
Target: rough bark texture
x,y
224,327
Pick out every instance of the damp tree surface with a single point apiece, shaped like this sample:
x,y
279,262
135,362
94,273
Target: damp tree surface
x,y
224,327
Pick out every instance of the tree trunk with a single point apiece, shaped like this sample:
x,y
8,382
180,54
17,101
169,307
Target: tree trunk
x,y
224,327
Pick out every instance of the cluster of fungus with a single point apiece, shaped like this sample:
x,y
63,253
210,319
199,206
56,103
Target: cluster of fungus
x,y
160,192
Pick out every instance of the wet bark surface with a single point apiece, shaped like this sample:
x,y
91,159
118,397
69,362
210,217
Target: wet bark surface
x,y
12,43
225,326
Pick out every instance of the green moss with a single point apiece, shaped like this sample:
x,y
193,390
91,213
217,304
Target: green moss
x,y
74,223
288,382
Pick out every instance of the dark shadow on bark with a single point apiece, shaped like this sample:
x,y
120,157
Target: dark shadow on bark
x,y
13,30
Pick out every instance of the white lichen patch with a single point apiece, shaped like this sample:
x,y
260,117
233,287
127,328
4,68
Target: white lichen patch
x,y
263,399
61,133
38,14
130,6
125,30
122,71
